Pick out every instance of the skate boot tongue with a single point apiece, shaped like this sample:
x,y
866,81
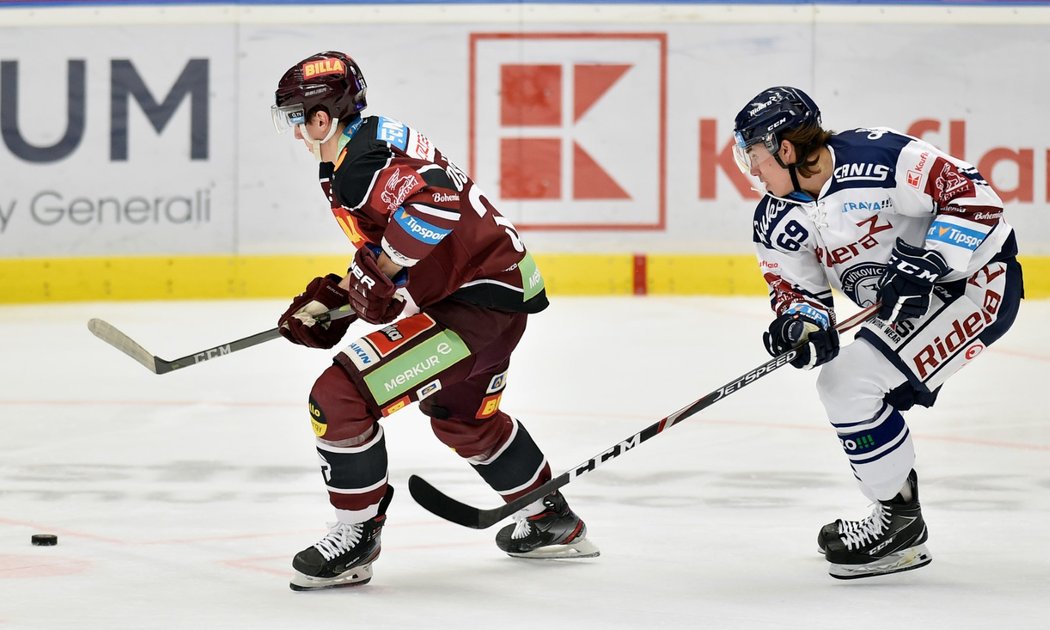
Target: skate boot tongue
x,y
856,534
341,538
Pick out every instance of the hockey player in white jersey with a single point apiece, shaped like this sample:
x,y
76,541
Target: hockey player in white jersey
x,y
880,217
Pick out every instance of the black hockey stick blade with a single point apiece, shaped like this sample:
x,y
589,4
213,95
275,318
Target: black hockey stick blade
x,y
440,504
450,509
114,337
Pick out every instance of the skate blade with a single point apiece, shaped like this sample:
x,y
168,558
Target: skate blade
x,y
357,576
577,549
906,560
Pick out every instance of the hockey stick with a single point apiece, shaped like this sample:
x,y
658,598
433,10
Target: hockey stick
x,y
114,337
450,509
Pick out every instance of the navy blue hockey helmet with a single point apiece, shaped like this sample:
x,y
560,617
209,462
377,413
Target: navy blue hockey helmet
x,y
765,119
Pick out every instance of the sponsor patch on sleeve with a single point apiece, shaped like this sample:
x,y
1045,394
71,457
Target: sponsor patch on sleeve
x,y
419,146
956,235
392,131
946,183
419,229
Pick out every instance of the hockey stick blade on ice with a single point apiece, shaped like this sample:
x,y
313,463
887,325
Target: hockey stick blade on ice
x,y
450,509
114,337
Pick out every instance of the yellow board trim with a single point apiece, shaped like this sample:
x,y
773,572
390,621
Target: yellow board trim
x,y
28,280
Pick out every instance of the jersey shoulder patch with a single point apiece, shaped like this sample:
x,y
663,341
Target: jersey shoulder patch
x,y
866,158
392,132
403,139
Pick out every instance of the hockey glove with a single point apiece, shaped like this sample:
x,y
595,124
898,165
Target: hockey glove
x,y
371,291
807,330
299,324
906,285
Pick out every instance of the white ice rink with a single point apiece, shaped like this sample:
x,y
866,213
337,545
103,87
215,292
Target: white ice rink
x,y
179,500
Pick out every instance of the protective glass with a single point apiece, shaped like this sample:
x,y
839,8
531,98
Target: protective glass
x,y
287,117
749,154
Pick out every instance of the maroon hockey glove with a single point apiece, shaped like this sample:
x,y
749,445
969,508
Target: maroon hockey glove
x,y
298,323
371,291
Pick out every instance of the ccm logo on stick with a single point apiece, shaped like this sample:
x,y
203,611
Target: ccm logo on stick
x,y
220,351
615,451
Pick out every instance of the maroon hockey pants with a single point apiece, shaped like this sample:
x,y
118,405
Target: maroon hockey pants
x,y
452,358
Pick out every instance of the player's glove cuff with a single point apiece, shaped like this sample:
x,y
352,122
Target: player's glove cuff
x,y
905,287
807,330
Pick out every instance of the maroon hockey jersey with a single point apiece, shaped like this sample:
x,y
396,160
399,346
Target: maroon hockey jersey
x,y
392,188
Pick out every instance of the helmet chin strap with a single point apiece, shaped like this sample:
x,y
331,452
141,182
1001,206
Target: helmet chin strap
x,y
793,170
797,194
315,145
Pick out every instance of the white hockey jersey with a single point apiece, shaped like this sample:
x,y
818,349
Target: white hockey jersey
x,y
884,185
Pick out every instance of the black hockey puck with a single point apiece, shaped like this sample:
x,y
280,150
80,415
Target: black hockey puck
x,y
44,540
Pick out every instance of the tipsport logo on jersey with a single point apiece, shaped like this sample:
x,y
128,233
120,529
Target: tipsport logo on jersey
x,y
568,130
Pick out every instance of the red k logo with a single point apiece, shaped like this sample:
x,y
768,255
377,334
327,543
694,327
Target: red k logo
x,y
571,128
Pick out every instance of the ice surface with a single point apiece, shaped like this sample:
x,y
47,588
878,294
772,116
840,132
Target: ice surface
x,y
180,499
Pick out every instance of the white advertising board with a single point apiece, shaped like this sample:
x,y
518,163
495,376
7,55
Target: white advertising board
x,y
117,140
593,133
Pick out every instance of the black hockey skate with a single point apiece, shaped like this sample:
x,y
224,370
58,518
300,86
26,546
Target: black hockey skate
x,y
342,558
556,532
834,530
889,541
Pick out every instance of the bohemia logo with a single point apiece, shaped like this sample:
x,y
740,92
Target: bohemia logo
x,y
558,121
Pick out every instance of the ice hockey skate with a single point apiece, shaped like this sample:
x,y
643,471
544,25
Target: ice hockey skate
x,y
888,541
344,557
556,532
833,530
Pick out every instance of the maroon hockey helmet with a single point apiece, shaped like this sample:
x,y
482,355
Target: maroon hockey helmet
x,y
329,80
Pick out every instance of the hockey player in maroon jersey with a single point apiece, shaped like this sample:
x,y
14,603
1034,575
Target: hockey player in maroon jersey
x,y
453,284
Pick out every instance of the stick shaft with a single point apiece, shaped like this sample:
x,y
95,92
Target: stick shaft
x,y
114,337
452,510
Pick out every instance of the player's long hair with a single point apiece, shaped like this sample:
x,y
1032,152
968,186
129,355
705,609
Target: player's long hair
x,y
808,140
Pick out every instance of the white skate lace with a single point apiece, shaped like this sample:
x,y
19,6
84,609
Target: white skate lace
x,y
855,534
341,538
522,526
